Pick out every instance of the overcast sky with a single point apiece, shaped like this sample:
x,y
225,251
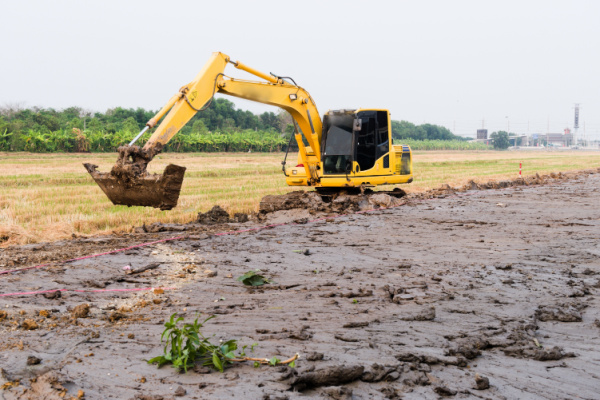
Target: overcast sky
x,y
461,64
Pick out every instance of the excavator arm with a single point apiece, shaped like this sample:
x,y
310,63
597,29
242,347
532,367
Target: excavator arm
x,y
129,183
211,79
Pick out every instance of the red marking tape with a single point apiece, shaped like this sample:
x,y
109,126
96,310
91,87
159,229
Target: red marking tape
x,y
92,256
84,291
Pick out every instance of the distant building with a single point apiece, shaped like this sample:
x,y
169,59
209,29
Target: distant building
x,y
559,139
482,134
521,140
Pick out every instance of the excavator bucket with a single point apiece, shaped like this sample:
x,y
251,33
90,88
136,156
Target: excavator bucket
x,y
129,184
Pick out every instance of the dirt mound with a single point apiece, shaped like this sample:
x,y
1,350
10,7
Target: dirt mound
x,y
563,312
335,202
217,215
536,179
301,204
516,340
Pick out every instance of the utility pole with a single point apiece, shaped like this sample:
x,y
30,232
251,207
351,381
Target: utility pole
x,y
547,131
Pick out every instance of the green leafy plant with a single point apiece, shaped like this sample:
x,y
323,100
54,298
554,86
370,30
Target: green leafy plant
x,y
252,278
185,346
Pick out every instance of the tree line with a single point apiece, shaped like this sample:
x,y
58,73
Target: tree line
x,y
221,127
406,130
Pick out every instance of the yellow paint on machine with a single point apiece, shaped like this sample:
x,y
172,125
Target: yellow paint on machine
x,y
399,171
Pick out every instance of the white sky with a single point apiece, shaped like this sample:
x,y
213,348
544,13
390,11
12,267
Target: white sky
x,y
453,63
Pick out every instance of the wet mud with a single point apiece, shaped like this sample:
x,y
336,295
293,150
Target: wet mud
x,y
489,291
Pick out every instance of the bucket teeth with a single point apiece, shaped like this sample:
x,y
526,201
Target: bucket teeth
x,y
158,191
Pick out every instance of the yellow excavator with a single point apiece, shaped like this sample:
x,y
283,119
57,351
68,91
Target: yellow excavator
x,y
347,149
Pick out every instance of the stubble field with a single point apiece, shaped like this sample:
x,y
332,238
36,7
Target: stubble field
x,y
46,197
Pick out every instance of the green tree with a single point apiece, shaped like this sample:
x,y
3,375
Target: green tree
x,y
500,140
94,125
406,130
199,127
269,120
131,125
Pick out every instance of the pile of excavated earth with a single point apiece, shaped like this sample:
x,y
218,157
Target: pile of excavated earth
x,y
302,206
484,291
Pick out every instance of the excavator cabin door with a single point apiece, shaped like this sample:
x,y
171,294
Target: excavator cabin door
x,y
371,132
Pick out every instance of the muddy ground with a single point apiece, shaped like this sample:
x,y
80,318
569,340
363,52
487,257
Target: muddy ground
x,y
464,294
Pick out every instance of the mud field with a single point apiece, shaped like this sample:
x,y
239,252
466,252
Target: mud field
x,y
464,293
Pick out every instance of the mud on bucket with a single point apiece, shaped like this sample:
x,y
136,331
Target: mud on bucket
x,y
158,191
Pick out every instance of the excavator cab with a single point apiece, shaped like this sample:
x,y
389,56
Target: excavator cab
x,y
357,150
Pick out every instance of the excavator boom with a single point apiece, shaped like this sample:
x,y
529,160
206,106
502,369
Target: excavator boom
x,y
129,183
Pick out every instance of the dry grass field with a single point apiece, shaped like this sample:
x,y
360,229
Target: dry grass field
x,y
45,197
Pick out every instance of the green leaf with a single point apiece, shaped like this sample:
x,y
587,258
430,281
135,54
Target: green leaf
x,y
256,280
256,364
228,346
217,362
273,361
251,278
246,276
159,359
292,364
